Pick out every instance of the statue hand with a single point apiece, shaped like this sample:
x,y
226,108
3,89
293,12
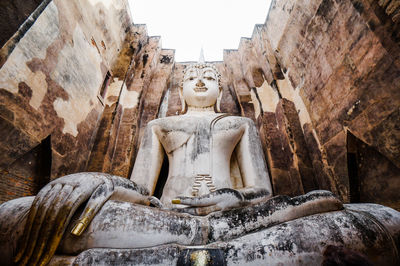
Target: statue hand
x,y
220,199
55,204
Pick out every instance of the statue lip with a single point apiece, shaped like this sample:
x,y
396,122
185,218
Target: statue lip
x,y
200,89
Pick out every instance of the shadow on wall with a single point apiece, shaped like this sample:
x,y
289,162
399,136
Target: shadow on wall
x,y
372,176
28,174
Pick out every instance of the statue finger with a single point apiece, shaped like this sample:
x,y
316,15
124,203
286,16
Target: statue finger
x,y
188,210
129,192
126,184
102,193
48,226
202,211
75,199
224,198
155,201
199,211
202,201
24,240
38,221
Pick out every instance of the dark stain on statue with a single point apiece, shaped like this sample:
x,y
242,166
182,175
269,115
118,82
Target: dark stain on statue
x,y
99,191
146,256
231,252
202,140
369,233
286,245
340,255
337,238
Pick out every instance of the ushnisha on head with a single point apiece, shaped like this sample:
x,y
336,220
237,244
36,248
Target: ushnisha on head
x,y
201,87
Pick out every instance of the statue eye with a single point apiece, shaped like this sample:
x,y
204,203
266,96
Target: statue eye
x,y
210,78
190,78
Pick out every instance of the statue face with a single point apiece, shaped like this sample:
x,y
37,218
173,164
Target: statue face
x,y
200,87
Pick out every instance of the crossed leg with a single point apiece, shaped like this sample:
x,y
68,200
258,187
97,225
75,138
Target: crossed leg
x,y
128,225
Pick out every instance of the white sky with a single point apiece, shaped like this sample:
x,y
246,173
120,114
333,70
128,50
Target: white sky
x,y
188,25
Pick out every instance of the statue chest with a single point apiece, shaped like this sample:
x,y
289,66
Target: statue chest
x,y
200,138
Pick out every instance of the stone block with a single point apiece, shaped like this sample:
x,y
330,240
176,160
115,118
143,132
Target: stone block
x,y
336,150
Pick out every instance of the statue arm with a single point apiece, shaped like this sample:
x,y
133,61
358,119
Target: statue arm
x,y
251,161
149,160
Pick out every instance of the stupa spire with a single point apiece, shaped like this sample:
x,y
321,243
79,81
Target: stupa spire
x,y
201,57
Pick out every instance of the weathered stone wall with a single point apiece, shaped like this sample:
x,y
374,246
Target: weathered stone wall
x,y
340,65
51,74
132,104
13,13
320,78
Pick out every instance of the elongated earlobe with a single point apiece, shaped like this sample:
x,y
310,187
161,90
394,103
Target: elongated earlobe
x,y
182,100
218,104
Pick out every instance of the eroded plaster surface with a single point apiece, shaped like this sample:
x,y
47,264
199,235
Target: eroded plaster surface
x,y
15,70
268,96
81,87
130,99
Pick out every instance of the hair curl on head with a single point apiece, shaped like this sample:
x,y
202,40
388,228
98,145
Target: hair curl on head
x,y
201,66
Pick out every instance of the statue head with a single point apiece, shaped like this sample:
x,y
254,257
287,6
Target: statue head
x,y
201,87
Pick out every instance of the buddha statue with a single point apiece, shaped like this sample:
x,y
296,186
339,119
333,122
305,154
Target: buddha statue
x,y
204,209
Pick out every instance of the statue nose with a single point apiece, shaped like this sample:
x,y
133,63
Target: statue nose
x,y
200,83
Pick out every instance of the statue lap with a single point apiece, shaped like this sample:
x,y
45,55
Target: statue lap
x,y
279,230
303,241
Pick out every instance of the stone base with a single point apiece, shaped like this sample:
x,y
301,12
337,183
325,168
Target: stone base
x,y
368,232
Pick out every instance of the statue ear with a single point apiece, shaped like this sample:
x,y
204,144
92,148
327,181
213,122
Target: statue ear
x,y
219,101
182,100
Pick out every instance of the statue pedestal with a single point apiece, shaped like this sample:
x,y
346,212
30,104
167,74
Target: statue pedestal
x,y
369,229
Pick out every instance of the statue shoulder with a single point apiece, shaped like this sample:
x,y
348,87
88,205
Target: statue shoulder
x,y
245,120
239,121
164,121
172,123
171,132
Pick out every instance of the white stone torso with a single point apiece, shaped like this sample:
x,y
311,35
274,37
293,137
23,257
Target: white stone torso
x,y
187,141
